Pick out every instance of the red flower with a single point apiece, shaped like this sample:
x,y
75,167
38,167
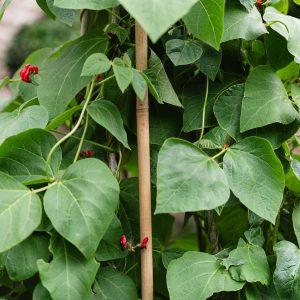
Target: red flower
x,y
27,71
144,242
259,2
90,153
99,77
123,241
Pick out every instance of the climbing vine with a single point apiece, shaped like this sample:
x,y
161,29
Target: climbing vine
x,y
224,96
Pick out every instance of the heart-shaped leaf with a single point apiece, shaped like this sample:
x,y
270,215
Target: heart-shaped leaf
x,y
69,275
97,63
210,14
81,205
241,24
254,267
24,156
106,114
18,121
203,277
60,81
20,212
156,16
265,100
113,284
199,184
123,73
261,191
183,52
228,108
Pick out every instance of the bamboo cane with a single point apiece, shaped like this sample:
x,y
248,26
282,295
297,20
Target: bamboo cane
x,y
142,114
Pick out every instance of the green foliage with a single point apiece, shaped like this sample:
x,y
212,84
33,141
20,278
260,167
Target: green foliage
x,y
224,99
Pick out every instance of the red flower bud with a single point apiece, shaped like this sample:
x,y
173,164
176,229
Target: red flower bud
x,y
27,71
90,153
144,242
123,241
259,2
99,77
80,154
226,146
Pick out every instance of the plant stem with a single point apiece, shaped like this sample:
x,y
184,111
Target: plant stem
x,y
87,141
82,138
44,188
104,80
219,154
131,268
115,15
204,111
73,130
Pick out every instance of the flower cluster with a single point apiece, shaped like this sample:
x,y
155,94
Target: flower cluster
x,y
130,247
27,71
87,153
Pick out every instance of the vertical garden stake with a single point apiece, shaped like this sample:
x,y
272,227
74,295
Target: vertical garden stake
x,y
143,140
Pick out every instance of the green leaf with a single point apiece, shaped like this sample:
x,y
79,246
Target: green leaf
x,y
227,110
123,73
193,101
261,191
241,24
210,61
183,52
61,119
24,156
255,236
20,212
60,74
106,114
210,14
66,16
18,121
69,275
288,27
157,16
88,4
295,164
265,100
287,273
203,277
139,84
296,221
160,87
110,247
216,138
95,64
81,205
21,260
200,183
113,284
255,266
40,293
3,7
